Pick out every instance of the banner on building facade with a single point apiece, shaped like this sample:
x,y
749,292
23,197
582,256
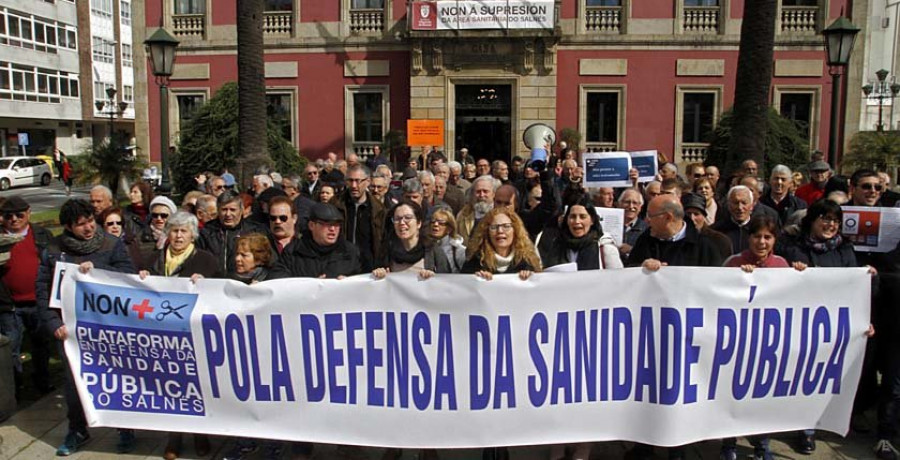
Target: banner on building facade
x,y
456,361
482,14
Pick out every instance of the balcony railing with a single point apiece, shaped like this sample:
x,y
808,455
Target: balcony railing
x,y
701,19
365,149
600,147
603,19
278,23
800,20
189,25
694,152
366,20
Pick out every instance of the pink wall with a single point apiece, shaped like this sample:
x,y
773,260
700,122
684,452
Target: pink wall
x,y
650,91
320,94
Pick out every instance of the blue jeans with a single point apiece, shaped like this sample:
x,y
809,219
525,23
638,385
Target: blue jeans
x,y
11,327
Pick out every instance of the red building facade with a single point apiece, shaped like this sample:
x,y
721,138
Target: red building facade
x,y
627,74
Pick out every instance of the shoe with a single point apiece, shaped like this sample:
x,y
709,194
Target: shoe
x,y
807,444
273,450
885,450
201,445
242,450
760,454
728,453
126,441
74,441
173,446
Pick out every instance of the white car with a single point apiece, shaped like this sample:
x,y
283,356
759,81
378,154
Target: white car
x,y
23,171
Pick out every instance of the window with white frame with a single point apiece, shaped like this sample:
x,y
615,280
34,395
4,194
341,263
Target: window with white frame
x,y
103,50
127,57
602,118
34,32
128,94
188,105
125,13
29,83
280,112
367,4
100,88
366,115
102,8
800,104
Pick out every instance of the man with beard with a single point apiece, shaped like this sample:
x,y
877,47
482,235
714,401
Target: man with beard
x,y
481,201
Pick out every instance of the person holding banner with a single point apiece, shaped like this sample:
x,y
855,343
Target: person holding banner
x,y
578,239
500,244
80,243
181,258
446,246
321,251
405,247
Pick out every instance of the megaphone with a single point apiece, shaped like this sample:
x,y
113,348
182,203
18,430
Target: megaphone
x,y
537,137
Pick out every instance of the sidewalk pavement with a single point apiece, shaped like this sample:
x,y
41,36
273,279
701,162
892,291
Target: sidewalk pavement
x,y
34,433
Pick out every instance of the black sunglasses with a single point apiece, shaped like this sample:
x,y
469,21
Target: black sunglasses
x,y
114,222
278,218
870,186
10,215
159,215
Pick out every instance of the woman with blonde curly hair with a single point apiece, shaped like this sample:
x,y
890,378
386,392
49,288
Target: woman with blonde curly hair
x,y
500,244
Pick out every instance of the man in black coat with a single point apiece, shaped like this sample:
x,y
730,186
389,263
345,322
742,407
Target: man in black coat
x,y
735,222
321,252
84,244
671,240
218,235
780,197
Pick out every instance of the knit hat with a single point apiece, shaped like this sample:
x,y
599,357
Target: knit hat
x,y
165,202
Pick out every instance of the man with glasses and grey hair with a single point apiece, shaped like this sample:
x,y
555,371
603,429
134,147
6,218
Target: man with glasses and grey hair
x,y
311,183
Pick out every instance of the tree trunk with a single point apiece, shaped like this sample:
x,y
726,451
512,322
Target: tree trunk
x,y
251,88
754,78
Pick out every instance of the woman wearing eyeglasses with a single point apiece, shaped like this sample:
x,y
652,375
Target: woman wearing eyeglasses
x,y
180,258
820,244
500,244
153,236
113,220
406,246
445,245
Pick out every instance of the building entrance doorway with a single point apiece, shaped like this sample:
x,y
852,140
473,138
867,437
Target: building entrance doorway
x,y
484,120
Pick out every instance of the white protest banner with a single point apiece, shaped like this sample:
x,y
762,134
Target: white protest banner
x,y
646,162
482,14
612,221
872,229
606,169
456,361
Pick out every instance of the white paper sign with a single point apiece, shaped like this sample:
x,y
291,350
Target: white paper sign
x,y
612,220
872,229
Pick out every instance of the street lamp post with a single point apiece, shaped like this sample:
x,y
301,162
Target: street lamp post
x,y
113,111
161,49
880,92
839,38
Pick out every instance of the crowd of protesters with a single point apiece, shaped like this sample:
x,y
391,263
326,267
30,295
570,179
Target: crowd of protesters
x,y
433,217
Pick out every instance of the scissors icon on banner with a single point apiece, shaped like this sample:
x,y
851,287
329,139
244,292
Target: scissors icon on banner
x,y
169,310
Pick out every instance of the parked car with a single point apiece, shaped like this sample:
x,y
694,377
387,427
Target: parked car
x,y
23,171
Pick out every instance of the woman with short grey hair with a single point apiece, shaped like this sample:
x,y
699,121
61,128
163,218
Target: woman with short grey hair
x,y
180,258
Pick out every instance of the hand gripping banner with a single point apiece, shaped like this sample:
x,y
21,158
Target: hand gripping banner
x,y
459,362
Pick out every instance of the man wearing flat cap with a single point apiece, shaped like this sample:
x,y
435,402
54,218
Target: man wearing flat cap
x,y
321,252
18,308
819,173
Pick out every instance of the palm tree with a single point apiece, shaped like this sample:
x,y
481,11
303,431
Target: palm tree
x,y
252,87
754,78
